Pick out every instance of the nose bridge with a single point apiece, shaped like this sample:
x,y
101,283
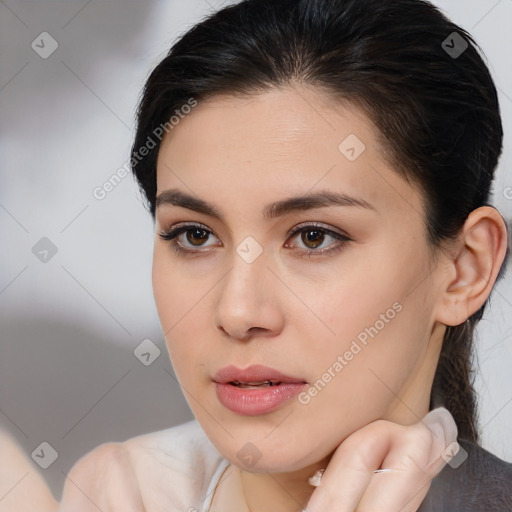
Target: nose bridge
x,y
244,283
246,298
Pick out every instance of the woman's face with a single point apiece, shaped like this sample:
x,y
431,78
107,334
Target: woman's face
x,y
340,296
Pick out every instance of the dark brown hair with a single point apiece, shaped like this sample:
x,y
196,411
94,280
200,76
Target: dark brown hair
x,y
418,77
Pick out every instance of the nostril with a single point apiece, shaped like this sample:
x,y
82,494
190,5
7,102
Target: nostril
x,y
257,329
248,334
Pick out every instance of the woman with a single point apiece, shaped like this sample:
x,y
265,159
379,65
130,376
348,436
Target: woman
x,y
319,175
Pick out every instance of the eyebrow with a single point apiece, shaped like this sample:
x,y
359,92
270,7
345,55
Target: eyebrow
x,y
304,202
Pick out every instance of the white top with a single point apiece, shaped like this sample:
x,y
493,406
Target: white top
x,y
213,485
176,469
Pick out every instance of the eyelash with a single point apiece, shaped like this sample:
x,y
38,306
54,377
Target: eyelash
x,y
172,234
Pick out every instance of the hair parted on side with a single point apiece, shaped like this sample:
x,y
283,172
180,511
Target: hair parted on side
x,y
437,115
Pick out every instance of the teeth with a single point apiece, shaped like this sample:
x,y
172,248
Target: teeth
x,y
254,384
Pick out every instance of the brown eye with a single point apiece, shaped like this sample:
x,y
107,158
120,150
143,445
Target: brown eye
x,y
186,237
197,236
312,238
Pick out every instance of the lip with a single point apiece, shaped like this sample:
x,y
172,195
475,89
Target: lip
x,y
255,401
253,373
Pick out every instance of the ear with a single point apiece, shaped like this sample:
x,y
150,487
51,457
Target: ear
x,y
474,265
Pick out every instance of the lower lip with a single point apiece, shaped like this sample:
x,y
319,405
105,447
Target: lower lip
x,y
254,401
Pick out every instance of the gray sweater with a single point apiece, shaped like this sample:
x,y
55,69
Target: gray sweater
x,y
482,483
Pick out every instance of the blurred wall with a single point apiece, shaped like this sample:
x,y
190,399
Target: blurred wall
x,y
75,286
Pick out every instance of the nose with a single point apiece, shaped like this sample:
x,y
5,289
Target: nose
x,y
248,303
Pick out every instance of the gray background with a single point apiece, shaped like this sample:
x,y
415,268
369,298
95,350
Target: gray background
x,y
69,325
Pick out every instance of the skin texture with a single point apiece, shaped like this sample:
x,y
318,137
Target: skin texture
x,y
294,310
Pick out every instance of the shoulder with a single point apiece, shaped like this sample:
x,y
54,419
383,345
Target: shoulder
x,y
98,479
169,469
16,468
476,481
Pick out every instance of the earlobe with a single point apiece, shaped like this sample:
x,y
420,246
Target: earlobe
x,y
481,249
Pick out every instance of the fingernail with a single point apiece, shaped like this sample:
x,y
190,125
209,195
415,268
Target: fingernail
x,y
444,429
438,431
442,424
316,478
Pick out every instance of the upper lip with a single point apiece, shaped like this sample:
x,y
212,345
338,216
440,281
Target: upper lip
x,y
253,373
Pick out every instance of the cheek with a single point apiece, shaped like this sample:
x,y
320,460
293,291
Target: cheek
x,y
179,304
378,332
356,382
167,289
364,294
349,302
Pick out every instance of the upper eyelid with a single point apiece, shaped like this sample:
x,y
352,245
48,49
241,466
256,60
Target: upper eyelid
x,y
185,224
320,225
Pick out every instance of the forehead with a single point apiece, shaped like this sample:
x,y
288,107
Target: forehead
x,y
290,140
276,125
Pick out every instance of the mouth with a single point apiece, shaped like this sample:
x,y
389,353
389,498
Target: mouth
x,y
255,375
255,390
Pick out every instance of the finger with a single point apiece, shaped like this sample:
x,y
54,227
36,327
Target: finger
x,y
445,432
417,456
351,467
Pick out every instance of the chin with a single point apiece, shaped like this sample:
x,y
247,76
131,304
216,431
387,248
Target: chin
x,y
259,454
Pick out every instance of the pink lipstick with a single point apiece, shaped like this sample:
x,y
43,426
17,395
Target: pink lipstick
x,y
256,389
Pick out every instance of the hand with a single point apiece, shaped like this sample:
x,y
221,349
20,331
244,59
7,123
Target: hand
x,y
413,452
